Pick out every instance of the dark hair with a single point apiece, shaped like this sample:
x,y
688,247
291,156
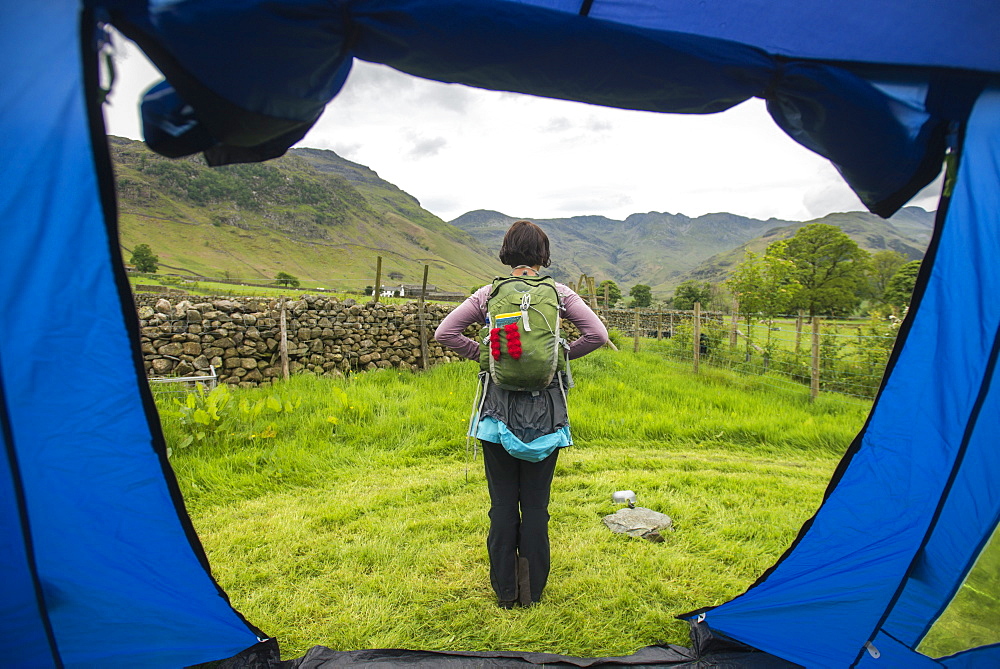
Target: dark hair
x,y
525,244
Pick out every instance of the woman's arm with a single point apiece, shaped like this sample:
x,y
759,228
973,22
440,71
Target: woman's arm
x,y
593,334
449,332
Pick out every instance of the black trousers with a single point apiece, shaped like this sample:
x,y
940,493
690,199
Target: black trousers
x,y
519,521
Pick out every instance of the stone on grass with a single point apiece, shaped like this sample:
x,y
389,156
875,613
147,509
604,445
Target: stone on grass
x,y
639,522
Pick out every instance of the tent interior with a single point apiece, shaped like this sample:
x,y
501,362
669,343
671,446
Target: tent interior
x,y
103,566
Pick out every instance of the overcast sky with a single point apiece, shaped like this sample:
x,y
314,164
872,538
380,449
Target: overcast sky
x,y
457,149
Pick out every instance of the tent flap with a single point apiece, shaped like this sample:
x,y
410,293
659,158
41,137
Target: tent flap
x,y
256,106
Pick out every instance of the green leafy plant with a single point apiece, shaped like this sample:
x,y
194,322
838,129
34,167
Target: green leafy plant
x,y
201,413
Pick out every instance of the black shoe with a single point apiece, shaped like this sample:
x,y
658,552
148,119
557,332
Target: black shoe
x,y
506,603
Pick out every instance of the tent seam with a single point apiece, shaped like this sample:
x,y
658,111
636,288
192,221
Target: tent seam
x,y
22,511
984,389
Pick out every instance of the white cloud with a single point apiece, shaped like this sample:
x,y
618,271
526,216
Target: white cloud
x,y
431,146
557,124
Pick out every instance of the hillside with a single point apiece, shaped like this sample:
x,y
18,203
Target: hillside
x,y
653,248
662,249
907,232
324,219
310,213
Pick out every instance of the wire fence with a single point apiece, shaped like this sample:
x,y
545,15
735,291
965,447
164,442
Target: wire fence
x,y
847,357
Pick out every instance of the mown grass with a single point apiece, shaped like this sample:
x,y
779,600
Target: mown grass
x,y
350,517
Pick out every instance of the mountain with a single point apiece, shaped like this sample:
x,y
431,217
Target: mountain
x,y
309,213
907,232
324,220
662,249
653,248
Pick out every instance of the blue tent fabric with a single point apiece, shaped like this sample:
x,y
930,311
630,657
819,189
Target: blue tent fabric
x,y
22,605
984,657
893,32
92,516
102,566
971,508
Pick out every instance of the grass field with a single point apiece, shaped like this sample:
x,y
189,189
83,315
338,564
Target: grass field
x,y
217,288
344,512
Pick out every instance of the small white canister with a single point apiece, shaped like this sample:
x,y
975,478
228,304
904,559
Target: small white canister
x,y
624,497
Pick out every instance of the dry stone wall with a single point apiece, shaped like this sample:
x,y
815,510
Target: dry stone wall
x,y
655,322
241,339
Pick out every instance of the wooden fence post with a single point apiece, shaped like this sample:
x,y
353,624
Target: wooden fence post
x,y
659,325
378,279
798,333
635,347
814,384
592,289
283,343
607,298
732,325
696,329
423,322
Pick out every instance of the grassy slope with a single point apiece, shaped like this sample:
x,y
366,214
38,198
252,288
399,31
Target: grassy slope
x,y
325,219
292,217
910,238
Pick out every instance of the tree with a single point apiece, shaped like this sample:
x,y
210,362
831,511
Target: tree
x,y
286,279
144,260
691,291
899,290
830,267
641,295
881,268
614,292
764,286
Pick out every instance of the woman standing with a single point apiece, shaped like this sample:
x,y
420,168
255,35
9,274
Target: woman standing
x,y
521,432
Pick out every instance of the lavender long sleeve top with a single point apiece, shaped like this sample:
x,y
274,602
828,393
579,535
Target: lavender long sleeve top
x,y
593,334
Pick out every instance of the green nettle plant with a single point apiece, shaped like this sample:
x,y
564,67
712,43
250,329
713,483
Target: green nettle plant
x,y
268,405
201,413
204,416
342,400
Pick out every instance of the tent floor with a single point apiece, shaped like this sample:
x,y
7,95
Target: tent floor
x,y
709,650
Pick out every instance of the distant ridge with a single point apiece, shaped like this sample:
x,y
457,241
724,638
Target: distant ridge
x,y
662,249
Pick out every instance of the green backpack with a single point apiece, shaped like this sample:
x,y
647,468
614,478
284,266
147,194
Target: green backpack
x,y
522,346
